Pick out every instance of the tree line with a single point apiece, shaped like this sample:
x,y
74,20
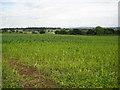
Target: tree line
x,y
96,31
31,28
76,31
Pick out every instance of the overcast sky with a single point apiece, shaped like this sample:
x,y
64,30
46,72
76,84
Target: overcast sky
x,y
58,13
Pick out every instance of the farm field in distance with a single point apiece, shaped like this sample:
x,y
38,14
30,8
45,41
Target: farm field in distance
x,y
66,61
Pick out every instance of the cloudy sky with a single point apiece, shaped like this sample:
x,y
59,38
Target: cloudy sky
x,y
58,13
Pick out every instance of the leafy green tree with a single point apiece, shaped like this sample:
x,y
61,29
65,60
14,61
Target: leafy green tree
x,y
56,32
75,32
61,32
42,32
99,30
91,32
4,31
109,31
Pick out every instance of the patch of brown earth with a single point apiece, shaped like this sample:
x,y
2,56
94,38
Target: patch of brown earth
x,y
32,77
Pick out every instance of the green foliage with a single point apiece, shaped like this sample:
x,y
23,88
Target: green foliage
x,y
42,32
71,32
96,31
75,32
91,32
61,32
108,31
99,30
70,60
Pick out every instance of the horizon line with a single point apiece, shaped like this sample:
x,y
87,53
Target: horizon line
x,y
59,27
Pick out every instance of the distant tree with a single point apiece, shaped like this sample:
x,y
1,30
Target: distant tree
x,y
42,32
109,31
99,30
16,31
12,30
61,32
83,32
34,32
20,32
117,32
4,31
75,32
57,32
91,32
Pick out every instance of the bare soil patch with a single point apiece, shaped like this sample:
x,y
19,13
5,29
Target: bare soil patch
x,y
32,78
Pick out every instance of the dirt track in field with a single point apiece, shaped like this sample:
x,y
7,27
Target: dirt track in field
x,y
31,77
